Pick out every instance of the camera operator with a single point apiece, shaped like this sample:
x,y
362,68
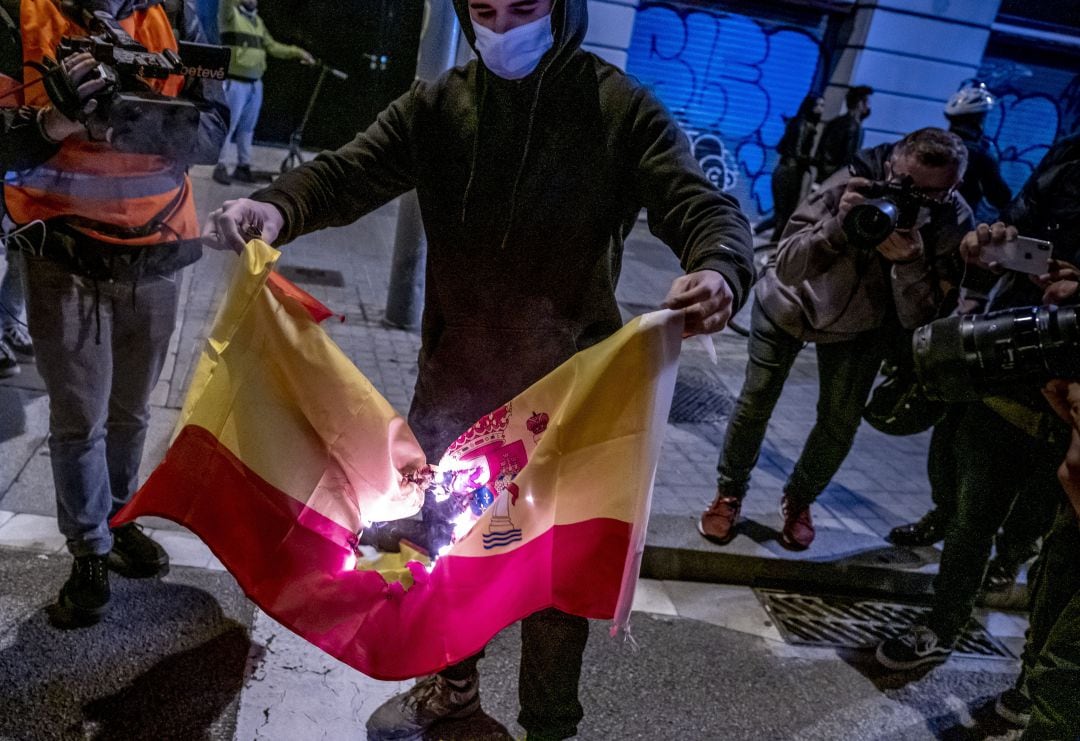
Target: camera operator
x,y
120,221
1010,442
850,295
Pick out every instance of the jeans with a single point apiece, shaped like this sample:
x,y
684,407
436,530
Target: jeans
x,y
1051,658
12,291
244,100
998,467
1018,540
100,349
552,644
846,373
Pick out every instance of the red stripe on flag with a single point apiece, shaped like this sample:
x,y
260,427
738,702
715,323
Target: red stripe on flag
x,y
295,564
284,289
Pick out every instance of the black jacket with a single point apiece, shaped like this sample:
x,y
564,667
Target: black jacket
x,y
840,140
527,190
983,176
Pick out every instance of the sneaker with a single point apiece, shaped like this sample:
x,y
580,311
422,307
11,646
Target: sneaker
x,y
9,364
798,532
718,522
408,716
18,340
1000,575
84,598
1013,706
243,174
927,531
135,555
918,646
221,175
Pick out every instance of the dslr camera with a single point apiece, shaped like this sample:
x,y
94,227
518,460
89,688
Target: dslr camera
x,y
965,358
888,206
130,113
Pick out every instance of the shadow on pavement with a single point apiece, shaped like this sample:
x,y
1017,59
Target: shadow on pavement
x,y
168,661
477,727
12,414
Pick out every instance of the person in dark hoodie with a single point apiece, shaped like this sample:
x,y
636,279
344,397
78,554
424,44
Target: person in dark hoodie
x,y
796,148
531,165
851,300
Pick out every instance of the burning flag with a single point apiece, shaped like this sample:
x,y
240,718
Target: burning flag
x,y
284,450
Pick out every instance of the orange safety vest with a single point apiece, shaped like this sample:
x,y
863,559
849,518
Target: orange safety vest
x,y
91,184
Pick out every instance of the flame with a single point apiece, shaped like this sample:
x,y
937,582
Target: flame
x,y
350,562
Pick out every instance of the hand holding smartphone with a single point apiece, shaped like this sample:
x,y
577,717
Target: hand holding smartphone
x,y
1023,255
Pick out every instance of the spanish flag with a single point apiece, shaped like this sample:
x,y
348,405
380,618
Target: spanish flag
x,y
284,450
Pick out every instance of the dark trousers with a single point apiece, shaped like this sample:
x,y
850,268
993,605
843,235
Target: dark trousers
x,y
100,347
1025,524
846,373
552,644
1051,674
999,466
787,180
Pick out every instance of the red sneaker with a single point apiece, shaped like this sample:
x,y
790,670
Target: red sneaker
x,y
798,532
718,522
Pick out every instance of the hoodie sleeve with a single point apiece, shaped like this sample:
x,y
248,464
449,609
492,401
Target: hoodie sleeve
x,y
703,225
337,188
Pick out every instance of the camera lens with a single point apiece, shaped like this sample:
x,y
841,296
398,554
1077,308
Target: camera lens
x,y
868,224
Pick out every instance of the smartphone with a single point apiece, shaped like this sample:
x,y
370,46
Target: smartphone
x,y
1023,255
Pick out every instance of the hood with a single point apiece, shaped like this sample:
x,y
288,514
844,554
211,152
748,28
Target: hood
x,y
569,22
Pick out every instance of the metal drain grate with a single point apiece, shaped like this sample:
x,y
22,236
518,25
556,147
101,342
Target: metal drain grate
x,y
846,622
700,398
313,276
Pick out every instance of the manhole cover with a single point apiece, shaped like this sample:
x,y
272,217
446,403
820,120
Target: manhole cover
x,y
847,622
699,398
313,276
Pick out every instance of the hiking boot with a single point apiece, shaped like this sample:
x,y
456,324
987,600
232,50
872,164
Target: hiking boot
x,y
9,364
407,716
135,555
84,598
718,522
928,530
243,174
221,175
915,647
1000,575
18,340
798,532
1013,706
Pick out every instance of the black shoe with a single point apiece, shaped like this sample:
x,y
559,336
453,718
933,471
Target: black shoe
x,y
406,717
84,598
915,647
1014,707
135,555
1000,576
243,174
927,531
19,341
9,364
221,175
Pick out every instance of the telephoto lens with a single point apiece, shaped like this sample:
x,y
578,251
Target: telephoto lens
x,y
965,358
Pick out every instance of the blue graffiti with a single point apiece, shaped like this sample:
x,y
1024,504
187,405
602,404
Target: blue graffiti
x,y
731,81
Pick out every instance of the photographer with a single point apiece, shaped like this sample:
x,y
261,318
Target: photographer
x,y
1011,441
850,296
110,187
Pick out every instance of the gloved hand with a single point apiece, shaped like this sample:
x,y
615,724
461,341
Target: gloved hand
x,y
77,79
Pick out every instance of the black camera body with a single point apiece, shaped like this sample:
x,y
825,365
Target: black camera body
x,y
965,358
135,118
888,206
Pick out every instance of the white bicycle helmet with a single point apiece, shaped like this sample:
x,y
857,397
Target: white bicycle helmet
x,y
972,98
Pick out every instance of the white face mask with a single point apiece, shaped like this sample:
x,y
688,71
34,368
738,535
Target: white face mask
x,y
514,54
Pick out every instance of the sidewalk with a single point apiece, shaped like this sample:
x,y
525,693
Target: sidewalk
x,y
882,484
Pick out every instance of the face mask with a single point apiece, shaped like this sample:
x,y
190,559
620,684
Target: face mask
x,y
514,54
